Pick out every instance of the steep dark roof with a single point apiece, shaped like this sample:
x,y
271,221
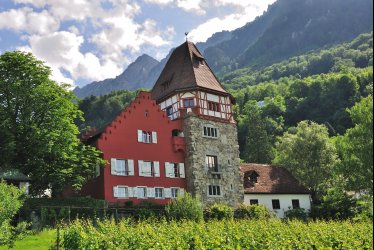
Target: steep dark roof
x,y
271,180
186,69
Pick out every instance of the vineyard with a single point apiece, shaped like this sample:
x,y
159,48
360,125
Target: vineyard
x,y
227,234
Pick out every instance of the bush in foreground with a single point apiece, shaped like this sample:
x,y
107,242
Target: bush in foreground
x,y
219,212
187,207
252,212
225,234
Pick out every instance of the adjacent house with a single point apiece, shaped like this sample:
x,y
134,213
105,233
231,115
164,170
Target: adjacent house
x,y
16,178
273,187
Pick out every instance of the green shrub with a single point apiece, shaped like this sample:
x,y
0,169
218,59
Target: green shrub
x,y
335,205
219,212
11,199
252,212
298,214
364,209
187,207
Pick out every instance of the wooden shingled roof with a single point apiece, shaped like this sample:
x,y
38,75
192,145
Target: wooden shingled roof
x,y
270,180
186,70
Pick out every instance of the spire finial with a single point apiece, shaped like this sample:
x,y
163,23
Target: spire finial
x,y
186,34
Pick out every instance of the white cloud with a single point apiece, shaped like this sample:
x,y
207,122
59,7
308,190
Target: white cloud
x,y
26,20
246,12
62,51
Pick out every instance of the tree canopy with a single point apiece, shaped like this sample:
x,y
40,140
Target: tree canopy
x,y
309,155
37,129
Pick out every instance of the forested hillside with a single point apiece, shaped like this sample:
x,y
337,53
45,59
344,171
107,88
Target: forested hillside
x,y
317,86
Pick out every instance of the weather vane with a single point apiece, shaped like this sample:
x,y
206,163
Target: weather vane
x,y
186,34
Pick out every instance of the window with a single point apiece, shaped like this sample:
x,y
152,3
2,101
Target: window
x,y
147,136
149,168
174,170
276,204
295,204
188,103
169,111
174,192
214,106
212,163
120,192
210,132
122,167
159,193
253,202
214,190
141,192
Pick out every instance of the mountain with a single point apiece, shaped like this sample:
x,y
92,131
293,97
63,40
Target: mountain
x,y
291,27
134,77
288,28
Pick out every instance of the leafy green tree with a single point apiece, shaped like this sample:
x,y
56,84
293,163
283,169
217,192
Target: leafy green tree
x,y
356,148
309,155
252,131
37,122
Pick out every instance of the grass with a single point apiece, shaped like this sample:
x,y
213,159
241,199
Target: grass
x,y
38,241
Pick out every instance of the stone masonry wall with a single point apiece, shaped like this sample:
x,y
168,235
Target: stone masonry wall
x,y
226,148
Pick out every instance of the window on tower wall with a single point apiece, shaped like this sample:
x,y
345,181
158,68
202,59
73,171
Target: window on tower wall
x,y
188,103
212,163
214,106
214,190
210,132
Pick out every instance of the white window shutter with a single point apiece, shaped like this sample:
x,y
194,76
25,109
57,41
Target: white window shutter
x,y
115,191
140,168
156,168
169,170
182,173
140,136
153,192
181,192
154,137
130,165
167,192
130,191
113,168
150,194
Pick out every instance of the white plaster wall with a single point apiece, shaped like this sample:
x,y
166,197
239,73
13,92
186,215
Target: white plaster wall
x,y
284,199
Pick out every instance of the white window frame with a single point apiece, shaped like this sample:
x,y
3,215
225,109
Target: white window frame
x,y
116,190
162,193
214,195
170,170
155,168
128,167
145,192
174,195
209,129
147,137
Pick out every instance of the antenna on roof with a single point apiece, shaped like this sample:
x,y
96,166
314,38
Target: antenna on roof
x,y
186,34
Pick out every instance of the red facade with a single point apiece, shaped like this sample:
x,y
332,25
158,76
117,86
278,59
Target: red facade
x,y
142,146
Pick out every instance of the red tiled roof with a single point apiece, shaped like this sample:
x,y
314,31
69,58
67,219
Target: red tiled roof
x,y
186,69
270,180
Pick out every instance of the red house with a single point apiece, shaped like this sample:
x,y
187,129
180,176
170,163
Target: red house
x,y
180,137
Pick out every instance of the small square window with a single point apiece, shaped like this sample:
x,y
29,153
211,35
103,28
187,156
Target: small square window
x,y
159,193
174,192
214,190
253,202
142,192
188,103
276,204
295,204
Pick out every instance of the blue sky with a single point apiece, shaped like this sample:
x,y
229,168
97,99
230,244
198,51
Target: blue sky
x,y
91,40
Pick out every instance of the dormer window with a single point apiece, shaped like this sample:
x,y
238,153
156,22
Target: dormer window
x,y
250,178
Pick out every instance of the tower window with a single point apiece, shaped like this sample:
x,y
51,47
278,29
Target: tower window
x,y
214,106
188,103
210,132
214,190
169,111
212,163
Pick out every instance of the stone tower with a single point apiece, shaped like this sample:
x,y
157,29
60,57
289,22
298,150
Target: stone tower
x,y
187,90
